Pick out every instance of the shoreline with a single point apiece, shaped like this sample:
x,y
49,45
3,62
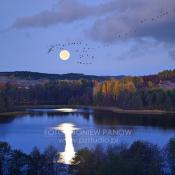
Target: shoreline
x,y
111,109
14,113
101,108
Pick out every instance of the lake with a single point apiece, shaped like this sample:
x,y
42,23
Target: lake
x,y
72,129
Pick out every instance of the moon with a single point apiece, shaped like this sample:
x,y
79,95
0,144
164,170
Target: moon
x,y
64,55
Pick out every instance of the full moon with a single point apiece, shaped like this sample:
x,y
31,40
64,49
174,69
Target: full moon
x,y
64,55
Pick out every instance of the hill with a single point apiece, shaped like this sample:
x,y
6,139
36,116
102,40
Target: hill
x,y
37,76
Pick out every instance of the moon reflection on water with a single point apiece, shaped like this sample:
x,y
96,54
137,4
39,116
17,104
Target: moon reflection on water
x,y
67,129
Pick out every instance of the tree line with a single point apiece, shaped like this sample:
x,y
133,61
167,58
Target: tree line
x,y
52,93
15,162
140,158
133,93
128,93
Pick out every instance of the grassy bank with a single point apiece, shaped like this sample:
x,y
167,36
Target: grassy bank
x,y
13,113
143,112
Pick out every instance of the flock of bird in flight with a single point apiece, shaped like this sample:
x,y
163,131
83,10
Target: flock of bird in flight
x,y
82,50
85,53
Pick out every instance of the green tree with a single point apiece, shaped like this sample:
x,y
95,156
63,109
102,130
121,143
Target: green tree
x,y
170,152
5,151
19,163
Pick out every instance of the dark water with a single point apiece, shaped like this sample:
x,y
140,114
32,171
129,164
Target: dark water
x,y
70,130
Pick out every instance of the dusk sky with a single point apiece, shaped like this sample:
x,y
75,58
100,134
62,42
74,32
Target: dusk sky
x,y
139,35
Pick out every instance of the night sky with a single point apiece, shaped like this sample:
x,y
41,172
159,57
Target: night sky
x,y
129,37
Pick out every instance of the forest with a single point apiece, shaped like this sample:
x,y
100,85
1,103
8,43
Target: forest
x,y
141,92
140,158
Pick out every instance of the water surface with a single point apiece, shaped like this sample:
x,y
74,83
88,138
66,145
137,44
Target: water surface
x,y
72,129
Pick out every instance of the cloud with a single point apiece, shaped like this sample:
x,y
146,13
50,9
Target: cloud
x,y
140,47
172,53
67,12
137,19
114,19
